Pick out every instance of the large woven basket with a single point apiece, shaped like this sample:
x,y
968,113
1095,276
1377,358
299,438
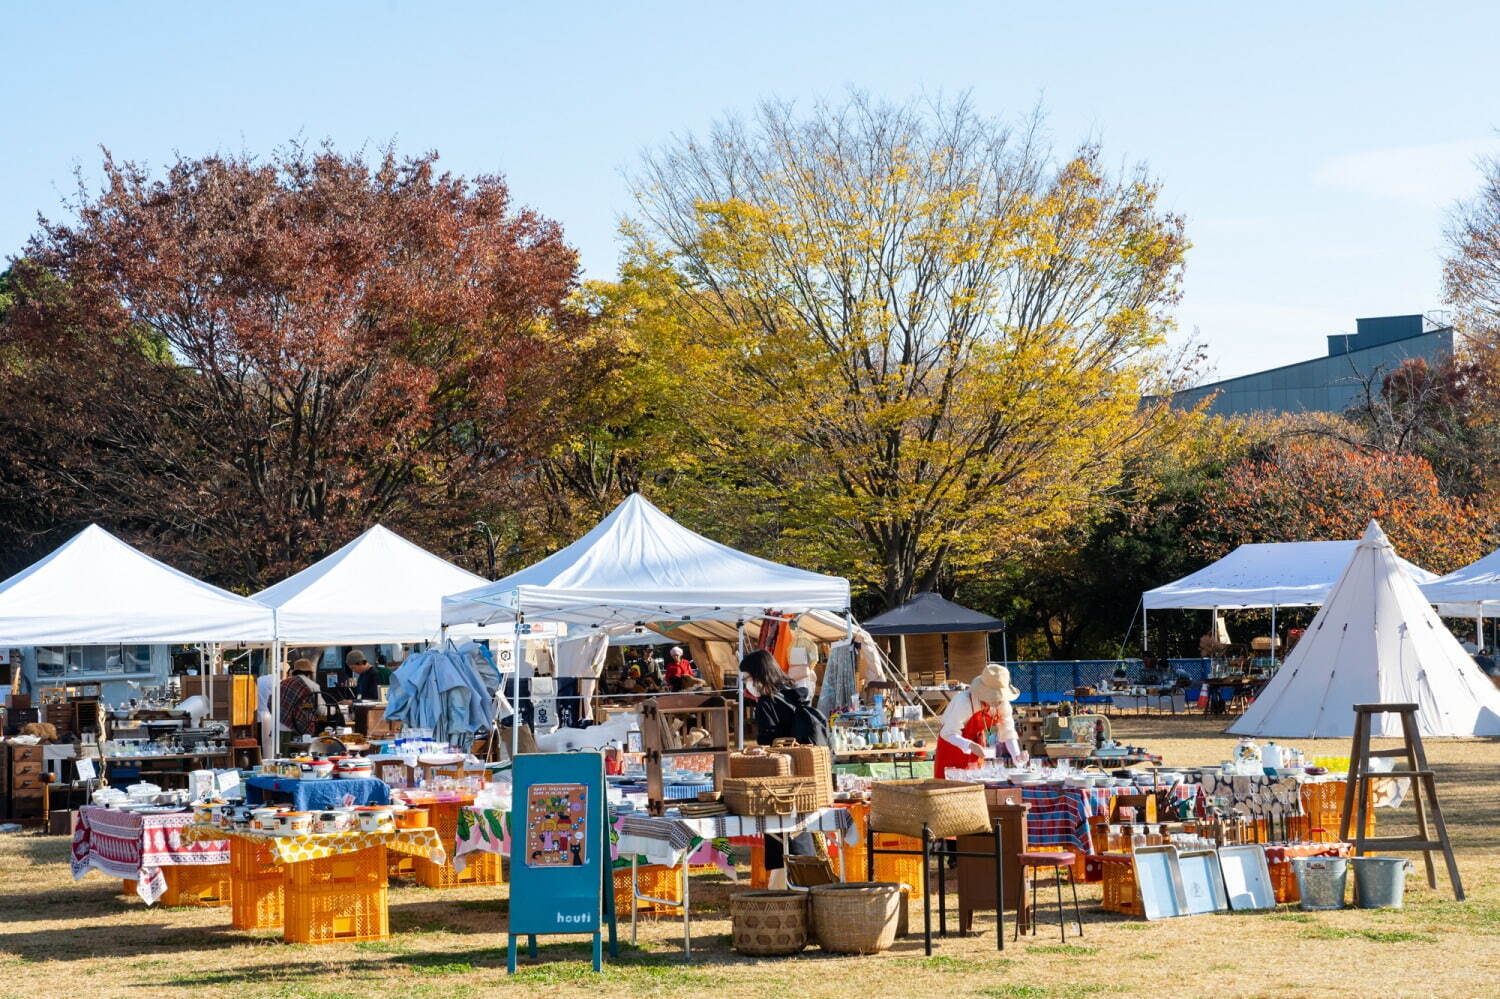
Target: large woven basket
x,y
810,761
759,763
948,808
767,923
770,795
856,918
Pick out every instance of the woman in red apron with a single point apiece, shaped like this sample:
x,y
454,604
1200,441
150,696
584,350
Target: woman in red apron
x,y
978,719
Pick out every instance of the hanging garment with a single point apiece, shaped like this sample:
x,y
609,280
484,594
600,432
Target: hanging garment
x,y
839,682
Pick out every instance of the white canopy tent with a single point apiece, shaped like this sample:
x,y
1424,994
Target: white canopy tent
x,y
1285,574
97,590
1375,639
639,566
378,588
1472,592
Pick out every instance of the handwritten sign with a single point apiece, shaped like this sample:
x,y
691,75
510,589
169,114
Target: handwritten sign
x,y
86,769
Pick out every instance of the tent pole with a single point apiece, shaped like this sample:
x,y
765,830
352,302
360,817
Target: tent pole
x,y
1004,649
515,688
740,680
1145,629
1479,628
1273,634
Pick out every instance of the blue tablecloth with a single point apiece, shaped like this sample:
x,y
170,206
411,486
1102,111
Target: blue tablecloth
x,y
315,795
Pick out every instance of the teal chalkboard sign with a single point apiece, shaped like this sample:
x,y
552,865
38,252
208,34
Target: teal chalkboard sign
x,y
561,874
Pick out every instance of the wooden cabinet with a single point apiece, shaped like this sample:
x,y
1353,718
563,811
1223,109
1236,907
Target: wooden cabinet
x,y
233,698
25,780
976,875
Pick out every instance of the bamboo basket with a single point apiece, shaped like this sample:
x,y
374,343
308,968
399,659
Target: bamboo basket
x,y
769,923
948,808
856,918
759,763
810,761
770,795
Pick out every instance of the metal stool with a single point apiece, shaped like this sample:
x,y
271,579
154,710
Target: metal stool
x,y
1061,863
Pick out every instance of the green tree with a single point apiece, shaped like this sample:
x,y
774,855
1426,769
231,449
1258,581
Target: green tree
x,y
913,341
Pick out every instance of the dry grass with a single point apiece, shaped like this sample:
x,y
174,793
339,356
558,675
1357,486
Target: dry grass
x,y
61,938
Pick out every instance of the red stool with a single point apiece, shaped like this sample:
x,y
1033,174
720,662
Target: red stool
x,y
1061,863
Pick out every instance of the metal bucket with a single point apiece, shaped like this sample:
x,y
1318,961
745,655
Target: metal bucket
x,y
1321,881
1379,882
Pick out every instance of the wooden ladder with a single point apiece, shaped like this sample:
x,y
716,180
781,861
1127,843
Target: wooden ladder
x,y
1423,788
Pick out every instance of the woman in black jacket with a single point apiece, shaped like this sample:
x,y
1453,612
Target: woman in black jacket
x,y
782,712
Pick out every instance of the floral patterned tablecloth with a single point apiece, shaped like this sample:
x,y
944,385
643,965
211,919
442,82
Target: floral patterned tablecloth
x,y
424,842
135,847
488,830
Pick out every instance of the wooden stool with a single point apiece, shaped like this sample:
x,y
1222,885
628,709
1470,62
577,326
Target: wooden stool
x,y
1423,790
1061,863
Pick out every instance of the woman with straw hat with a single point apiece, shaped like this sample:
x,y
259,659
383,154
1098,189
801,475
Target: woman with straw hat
x,y
978,720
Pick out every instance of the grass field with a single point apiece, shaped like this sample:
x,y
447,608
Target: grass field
x,y
61,938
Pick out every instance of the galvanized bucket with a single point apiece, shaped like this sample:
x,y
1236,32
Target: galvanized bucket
x,y
1321,881
1379,882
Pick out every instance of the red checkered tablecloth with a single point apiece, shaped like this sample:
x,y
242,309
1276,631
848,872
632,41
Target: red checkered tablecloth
x,y
1059,816
135,847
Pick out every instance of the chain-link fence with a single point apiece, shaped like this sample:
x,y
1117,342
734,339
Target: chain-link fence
x,y
1049,681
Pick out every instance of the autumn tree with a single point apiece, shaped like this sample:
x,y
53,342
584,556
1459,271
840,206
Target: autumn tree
x,y
1318,489
912,340
248,361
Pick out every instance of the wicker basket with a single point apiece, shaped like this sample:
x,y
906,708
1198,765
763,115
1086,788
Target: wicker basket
x,y
856,918
759,763
770,795
948,808
810,761
769,923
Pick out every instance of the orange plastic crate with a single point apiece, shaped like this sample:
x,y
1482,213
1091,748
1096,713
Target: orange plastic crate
x,y
196,885
656,880
259,886
363,869
902,869
337,915
1322,811
481,868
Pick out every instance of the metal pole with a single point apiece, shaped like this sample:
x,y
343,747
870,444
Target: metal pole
x,y
515,689
740,679
1479,629
1145,629
1273,634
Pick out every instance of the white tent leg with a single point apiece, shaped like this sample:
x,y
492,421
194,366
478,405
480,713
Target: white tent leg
x,y
1273,634
515,690
1479,629
740,682
1145,629
273,738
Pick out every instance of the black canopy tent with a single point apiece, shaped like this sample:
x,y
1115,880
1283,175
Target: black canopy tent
x,y
932,616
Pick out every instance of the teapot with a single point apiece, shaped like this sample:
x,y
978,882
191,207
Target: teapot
x,y
1247,751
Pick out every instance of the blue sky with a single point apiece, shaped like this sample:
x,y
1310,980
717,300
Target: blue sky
x,y
1314,148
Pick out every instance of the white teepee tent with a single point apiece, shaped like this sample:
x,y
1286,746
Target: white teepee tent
x,y
1375,639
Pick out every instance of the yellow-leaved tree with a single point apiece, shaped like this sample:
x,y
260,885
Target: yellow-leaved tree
x,y
907,340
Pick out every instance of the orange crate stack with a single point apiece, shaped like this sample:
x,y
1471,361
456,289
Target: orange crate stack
x,y
1119,884
400,866
901,869
656,880
258,886
1323,809
338,898
481,868
196,885
337,914
1283,881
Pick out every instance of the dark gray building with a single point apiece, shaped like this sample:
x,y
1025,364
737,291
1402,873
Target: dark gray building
x,y
1328,384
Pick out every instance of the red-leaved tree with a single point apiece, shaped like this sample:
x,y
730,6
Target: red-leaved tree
x,y
244,362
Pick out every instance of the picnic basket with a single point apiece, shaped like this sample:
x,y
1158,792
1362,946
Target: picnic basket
x,y
770,795
948,808
757,762
809,761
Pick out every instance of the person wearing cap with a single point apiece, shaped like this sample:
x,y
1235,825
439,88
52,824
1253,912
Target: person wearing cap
x,y
366,680
976,720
